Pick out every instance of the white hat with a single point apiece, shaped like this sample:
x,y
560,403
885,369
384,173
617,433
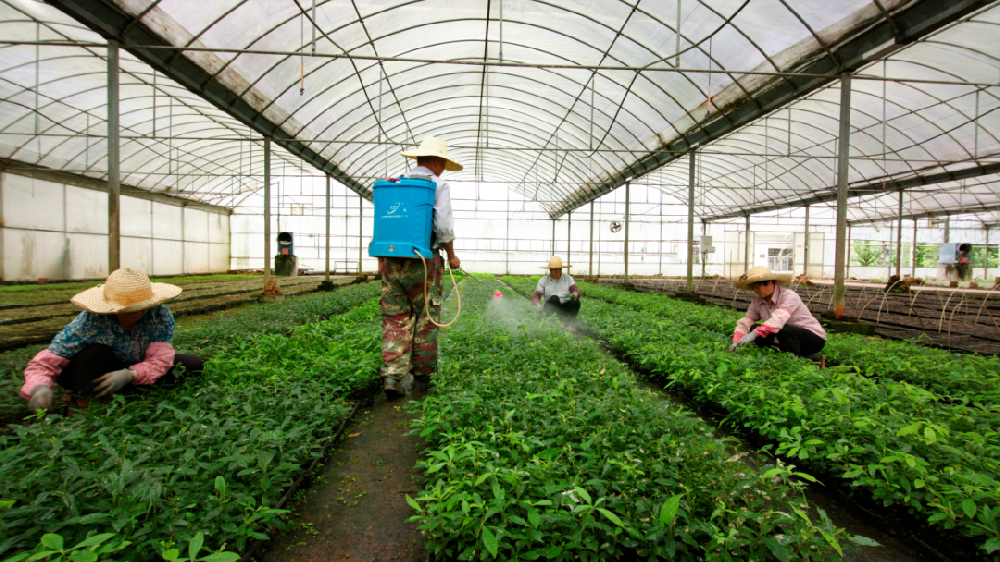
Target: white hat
x,y
433,146
761,273
555,262
126,290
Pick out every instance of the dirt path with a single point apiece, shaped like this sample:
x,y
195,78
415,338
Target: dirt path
x,y
357,509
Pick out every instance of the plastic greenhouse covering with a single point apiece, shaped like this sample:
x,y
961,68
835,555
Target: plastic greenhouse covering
x,y
561,102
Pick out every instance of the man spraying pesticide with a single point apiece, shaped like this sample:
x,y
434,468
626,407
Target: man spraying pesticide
x,y
413,222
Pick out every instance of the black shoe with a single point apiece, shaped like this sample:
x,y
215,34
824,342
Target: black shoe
x,y
393,389
421,384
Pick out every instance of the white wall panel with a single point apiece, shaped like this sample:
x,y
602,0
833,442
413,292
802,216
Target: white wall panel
x,y
135,252
167,222
196,257
167,257
86,210
136,218
195,225
39,243
32,204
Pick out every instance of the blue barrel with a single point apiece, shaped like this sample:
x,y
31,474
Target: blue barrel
x,y
404,212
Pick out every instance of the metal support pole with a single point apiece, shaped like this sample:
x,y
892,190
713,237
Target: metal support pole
x,y
986,256
690,253
267,210
913,252
590,268
553,252
627,185
703,253
361,228
569,237
327,219
843,153
805,246
114,162
947,229
746,247
899,237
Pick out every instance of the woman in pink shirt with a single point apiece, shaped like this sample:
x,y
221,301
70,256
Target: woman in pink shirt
x,y
785,321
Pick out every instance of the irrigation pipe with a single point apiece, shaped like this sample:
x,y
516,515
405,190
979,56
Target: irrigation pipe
x,y
454,284
255,546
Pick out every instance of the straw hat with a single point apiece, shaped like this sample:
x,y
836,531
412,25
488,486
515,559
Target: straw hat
x,y
555,262
761,273
126,290
433,146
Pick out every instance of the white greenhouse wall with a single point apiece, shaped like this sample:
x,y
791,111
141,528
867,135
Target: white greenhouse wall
x,y
54,230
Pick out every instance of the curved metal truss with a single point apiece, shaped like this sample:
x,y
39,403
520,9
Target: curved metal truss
x,y
562,101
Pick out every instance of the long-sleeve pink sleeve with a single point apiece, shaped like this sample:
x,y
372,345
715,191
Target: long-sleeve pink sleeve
x,y
743,326
159,359
536,297
42,370
775,323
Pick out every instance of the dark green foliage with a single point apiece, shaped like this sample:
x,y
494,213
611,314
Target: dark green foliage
x,y
904,445
540,446
210,455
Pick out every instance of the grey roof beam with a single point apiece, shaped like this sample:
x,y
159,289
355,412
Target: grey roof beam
x,y
106,19
872,188
878,41
932,214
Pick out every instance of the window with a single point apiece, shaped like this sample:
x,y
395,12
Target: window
x,y
779,259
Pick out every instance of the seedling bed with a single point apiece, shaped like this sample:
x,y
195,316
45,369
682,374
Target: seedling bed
x,y
39,324
833,420
967,325
862,517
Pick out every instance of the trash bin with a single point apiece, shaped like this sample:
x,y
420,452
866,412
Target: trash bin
x,y
285,245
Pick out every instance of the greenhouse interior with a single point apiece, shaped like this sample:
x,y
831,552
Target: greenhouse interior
x,y
499,280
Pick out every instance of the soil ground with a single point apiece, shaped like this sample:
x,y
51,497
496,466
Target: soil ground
x,y
357,509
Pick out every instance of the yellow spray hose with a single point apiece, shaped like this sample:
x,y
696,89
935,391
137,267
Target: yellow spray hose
x,y
426,311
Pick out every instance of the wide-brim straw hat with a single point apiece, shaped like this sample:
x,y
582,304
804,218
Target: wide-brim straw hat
x,y
433,146
761,273
126,290
555,262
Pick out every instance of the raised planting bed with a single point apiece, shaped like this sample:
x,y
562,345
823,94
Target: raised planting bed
x,y
209,457
31,324
542,447
894,444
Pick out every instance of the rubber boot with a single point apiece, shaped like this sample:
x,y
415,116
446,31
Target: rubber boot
x,y
393,389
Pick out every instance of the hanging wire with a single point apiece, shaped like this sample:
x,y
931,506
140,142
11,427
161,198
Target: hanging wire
x,y
302,58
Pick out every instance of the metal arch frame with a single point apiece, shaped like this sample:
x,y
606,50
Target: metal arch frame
x,y
107,20
200,113
921,16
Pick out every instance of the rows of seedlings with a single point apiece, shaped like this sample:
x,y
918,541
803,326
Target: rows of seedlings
x,y
206,461
904,446
542,447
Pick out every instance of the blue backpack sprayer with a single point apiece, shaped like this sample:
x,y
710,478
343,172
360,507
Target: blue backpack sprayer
x,y
404,218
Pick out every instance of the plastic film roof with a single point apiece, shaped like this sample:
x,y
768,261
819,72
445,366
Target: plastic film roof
x,y
529,109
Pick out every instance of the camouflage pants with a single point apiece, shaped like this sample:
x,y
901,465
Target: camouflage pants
x,y
409,339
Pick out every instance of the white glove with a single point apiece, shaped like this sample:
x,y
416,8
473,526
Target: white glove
x,y
574,296
114,381
539,307
747,339
41,399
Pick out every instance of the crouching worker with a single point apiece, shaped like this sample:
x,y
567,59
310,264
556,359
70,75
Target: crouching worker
x,y
122,338
785,320
557,292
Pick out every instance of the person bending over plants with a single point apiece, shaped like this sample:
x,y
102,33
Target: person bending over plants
x,y
557,292
785,321
122,338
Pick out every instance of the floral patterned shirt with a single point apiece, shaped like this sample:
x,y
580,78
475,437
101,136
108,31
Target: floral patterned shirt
x,y
157,325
